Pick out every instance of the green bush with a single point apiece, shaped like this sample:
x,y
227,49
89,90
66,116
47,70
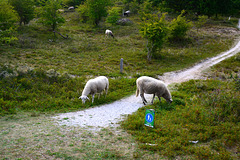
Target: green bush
x,y
72,2
8,17
179,27
25,10
83,13
113,15
155,31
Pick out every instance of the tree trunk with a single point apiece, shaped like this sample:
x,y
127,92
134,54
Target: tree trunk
x,y
149,49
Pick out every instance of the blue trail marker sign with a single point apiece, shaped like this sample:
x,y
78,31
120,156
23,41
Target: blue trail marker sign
x,y
149,118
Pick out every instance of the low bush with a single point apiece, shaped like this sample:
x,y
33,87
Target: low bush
x,y
37,91
203,110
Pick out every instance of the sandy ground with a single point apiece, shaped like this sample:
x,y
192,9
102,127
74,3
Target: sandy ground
x,y
109,115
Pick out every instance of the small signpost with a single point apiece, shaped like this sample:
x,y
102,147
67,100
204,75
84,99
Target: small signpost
x,y
149,118
121,65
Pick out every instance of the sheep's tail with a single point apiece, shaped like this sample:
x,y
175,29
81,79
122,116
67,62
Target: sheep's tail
x,y
137,92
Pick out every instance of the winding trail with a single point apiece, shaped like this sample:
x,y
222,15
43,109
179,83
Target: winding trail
x,y
110,114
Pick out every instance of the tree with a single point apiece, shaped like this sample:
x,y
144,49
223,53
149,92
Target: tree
x,y
8,18
154,28
113,15
50,16
94,10
25,10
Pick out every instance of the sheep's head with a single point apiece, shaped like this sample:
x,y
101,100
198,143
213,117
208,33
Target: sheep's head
x,y
168,97
170,100
84,98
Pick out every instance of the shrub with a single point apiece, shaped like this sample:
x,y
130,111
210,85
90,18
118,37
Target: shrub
x,y
72,2
94,10
83,13
8,17
179,27
25,10
113,15
49,14
155,30
201,21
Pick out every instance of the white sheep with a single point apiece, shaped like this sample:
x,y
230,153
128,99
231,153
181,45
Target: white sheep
x,y
93,86
109,33
153,86
127,13
71,8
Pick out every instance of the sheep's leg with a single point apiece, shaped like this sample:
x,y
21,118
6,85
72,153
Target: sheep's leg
x,y
153,98
92,98
143,99
159,98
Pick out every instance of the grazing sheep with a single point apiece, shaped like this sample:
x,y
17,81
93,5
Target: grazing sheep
x,y
93,86
109,33
71,8
127,13
153,86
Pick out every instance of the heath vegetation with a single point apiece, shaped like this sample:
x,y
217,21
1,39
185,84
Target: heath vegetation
x,y
46,62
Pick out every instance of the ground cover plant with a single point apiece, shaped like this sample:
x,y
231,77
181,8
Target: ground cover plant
x,y
42,72
88,53
39,91
206,111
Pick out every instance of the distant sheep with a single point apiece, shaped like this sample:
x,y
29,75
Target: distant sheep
x,y
109,33
127,13
93,86
153,86
71,8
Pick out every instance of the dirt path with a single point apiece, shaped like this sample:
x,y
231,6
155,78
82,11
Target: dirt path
x,y
110,114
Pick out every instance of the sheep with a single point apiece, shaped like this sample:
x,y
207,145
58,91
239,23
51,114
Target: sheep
x,y
153,86
93,86
127,13
71,8
109,33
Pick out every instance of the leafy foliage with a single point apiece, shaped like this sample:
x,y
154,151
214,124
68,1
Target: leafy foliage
x,y
113,15
73,2
8,17
201,21
155,30
94,10
49,14
207,7
179,27
25,10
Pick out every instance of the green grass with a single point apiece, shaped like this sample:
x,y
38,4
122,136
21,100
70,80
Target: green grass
x,y
35,91
207,111
88,53
203,110
38,48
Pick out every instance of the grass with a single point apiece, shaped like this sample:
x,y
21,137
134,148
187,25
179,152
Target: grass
x,y
35,91
207,111
27,137
88,53
203,110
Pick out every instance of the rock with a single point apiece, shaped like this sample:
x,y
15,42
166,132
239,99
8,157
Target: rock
x,y
124,21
